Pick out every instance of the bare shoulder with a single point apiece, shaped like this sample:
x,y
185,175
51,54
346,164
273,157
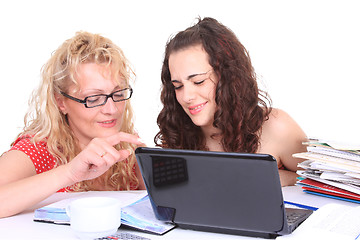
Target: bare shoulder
x,y
15,165
282,137
281,124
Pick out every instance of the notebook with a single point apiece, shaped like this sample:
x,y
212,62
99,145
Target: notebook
x,y
234,193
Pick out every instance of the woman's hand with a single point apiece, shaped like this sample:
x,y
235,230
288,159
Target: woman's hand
x,y
287,178
98,156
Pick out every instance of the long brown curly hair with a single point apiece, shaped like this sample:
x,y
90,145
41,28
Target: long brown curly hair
x,y
242,107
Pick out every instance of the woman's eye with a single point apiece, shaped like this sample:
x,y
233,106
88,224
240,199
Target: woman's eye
x,y
199,82
118,95
177,86
93,99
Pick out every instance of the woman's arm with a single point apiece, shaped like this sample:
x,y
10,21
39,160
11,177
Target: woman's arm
x,y
21,187
291,141
282,138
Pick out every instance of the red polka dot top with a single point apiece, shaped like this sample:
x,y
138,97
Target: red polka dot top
x,y
39,155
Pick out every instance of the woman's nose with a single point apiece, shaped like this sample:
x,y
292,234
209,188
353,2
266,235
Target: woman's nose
x,y
188,93
109,107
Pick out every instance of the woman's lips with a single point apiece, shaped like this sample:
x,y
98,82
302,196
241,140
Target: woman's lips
x,y
197,108
108,123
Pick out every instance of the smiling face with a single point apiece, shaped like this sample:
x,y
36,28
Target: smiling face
x,y
194,82
101,121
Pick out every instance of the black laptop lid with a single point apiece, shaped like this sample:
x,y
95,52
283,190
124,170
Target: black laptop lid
x,y
214,191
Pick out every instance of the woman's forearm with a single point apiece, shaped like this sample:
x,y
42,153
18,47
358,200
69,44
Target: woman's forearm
x,y
17,196
287,178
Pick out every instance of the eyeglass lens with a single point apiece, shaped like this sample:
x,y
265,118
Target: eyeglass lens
x,y
98,100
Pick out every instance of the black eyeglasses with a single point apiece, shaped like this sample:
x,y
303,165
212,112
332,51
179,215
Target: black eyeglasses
x,y
101,99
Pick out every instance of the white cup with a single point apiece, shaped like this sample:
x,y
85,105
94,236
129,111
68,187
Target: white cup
x,y
94,217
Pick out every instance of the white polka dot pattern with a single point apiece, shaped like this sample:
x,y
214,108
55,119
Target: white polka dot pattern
x,y
39,155
42,159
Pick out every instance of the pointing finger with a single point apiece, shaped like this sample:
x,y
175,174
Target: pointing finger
x,y
124,137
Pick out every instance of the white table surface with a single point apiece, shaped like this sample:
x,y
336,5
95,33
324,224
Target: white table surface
x,y
22,226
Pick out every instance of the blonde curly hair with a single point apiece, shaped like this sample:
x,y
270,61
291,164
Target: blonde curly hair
x,y
45,122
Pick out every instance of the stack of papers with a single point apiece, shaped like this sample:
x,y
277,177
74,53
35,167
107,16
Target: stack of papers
x,y
330,169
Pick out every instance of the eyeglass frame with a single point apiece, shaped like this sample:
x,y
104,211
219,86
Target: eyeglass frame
x,y
84,101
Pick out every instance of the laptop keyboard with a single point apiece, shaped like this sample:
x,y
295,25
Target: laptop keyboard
x,y
296,216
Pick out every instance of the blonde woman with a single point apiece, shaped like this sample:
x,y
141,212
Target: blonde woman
x,y
79,133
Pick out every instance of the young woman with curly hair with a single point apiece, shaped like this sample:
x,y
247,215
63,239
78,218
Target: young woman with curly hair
x,y
79,132
211,100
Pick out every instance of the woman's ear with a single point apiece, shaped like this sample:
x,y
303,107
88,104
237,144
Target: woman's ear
x,y
60,103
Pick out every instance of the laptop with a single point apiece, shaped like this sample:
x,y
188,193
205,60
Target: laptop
x,y
234,193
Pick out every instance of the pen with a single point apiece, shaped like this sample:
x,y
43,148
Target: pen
x,y
301,205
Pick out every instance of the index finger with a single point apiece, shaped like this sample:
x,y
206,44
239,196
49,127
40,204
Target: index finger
x,y
123,137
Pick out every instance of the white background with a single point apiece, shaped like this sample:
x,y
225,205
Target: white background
x,y
306,53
